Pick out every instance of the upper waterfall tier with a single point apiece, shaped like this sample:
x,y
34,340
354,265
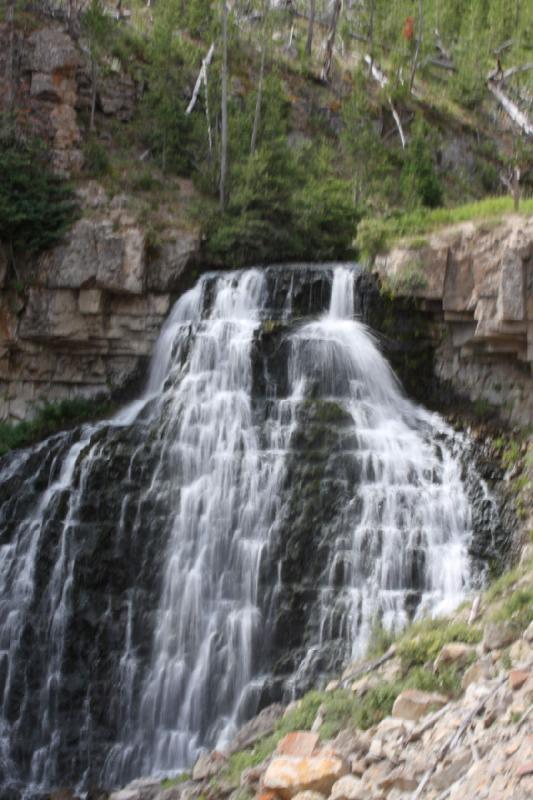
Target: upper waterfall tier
x,y
227,539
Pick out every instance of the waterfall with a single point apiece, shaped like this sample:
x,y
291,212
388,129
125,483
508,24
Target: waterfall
x,y
226,539
409,514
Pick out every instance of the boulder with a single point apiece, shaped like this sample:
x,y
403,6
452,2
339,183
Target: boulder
x,y
478,671
517,678
455,653
256,728
174,256
298,743
309,796
520,652
208,765
348,788
413,704
498,635
52,50
350,742
451,772
401,778
290,775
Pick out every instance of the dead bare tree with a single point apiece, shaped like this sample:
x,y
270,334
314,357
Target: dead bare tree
x,y
418,44
371,35
310,28
224,111
259,98
330,41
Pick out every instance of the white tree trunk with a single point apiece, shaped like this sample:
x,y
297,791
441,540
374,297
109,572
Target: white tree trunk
x,y
420,27
224,111
202,77
310,28
330,41
518,117
382,79
259,99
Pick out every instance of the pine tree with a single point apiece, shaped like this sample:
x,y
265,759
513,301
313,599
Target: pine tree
x,y
36,206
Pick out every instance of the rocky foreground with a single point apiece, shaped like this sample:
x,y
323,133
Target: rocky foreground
x,y
465,733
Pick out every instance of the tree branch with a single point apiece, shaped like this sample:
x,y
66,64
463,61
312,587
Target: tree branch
x,y
518,116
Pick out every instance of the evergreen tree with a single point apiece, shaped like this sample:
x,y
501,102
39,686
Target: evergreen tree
x,y
36,206
419,181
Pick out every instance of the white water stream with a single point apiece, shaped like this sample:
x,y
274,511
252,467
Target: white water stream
x,y
405,529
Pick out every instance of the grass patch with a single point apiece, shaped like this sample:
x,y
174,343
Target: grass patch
x,y
168,783
50,418
376,235
501,585
516,609
424,640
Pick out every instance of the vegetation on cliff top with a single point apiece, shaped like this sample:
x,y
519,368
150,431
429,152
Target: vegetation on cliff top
x,y
378,111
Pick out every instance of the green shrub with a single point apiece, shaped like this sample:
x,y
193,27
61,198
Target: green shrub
x,y
268,219
424,640
50,418
371,237
36,206
96,158
517,609
419,181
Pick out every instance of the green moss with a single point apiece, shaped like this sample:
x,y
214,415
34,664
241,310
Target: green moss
x,y
502,585
50,418
446,681
424,640
517,609
168,783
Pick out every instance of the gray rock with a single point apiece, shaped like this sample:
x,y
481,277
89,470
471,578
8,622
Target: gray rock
x,y
173,258
96,253
208,765
511,297
498,635
52,49
256,728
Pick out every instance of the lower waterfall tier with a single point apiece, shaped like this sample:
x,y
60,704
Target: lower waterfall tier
x,y
229,539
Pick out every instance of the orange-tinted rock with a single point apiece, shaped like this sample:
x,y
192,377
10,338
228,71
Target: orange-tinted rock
x,y
267,795
298,743
289,775
525,769
517,678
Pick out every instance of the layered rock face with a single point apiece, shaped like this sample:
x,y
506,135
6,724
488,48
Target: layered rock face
x,y
92,310
479,282
82,319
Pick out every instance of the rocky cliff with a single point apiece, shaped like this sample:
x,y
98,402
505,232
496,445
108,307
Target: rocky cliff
x,y
477,284
89,311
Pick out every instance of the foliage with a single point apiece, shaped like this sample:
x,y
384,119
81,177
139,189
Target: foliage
x,y
98,28
419,181
50,418
386,230
517,608
424,640
166,126
36,206
268,218
369,159
96,158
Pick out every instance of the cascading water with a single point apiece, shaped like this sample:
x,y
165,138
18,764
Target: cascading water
x,y
224,540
